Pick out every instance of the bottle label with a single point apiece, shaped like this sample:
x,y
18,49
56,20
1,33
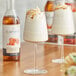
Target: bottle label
x,y
11,38
49,19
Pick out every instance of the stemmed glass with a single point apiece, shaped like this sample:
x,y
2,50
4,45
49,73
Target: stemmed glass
x,y
62,24
35,31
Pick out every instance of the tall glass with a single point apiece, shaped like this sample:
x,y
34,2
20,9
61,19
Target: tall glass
x,y
35,31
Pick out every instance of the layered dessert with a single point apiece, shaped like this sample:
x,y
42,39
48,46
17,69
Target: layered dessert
x,y
35,26
63,20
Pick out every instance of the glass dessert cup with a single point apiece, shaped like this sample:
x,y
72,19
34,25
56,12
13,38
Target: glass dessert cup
x,y
61,27
35,31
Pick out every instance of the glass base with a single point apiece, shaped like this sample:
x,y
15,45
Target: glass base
x,y
35,71
58,60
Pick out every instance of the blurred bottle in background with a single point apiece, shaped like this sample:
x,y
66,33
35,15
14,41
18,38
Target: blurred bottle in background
x,y
49,11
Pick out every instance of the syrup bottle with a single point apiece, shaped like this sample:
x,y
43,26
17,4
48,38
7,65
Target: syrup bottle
x,y
11,34
49,12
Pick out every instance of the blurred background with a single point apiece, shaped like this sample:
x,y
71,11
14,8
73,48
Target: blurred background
x,y
21,7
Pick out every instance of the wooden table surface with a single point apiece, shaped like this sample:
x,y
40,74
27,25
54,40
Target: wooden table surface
x,y
44,56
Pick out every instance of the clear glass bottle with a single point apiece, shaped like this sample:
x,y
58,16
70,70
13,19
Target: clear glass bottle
x,y
11,34
49,11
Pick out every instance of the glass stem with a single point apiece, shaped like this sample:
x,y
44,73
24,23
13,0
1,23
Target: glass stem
x,y
62,48
61,42
35,44
62,53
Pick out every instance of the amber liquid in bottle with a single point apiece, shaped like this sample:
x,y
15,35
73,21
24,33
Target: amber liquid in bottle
x,y
11,34
49,10
49,7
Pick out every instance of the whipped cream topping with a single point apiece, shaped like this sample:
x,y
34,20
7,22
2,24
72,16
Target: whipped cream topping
x,y
35,29
33,12
61,7
63,22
